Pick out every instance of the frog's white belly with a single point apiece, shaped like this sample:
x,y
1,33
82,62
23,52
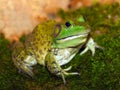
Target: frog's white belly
x,y
64,56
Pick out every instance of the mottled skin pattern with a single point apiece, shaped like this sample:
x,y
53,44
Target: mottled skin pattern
x,y
40,41
36,45
53,45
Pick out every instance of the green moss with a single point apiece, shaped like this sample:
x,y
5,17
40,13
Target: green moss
x,y
101,72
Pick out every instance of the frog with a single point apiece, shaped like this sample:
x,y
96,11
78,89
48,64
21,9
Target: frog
x,y
53,47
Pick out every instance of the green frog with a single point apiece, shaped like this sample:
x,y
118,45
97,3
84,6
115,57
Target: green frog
x,y
53,45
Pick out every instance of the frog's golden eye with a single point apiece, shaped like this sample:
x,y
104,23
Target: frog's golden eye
x,y
57,30
68,24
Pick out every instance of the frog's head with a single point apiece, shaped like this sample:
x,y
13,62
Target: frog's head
x,y
70,34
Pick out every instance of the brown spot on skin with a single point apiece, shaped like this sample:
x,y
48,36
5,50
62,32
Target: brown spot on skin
x,y
22,58
49,43
42,36
45,48
38,39
40,51
36,48
34,43
37,55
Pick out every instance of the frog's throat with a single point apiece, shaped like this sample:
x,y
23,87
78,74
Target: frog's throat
x,y
64,56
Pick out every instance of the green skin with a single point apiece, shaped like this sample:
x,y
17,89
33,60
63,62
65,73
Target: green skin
x,y
53,48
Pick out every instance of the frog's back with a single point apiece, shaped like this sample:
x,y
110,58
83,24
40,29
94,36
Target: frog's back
x,y
40,40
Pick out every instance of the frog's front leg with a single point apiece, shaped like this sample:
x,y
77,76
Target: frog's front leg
x,y
91,45
55,68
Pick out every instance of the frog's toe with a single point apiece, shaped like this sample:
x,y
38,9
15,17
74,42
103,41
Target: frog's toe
x,y
64,72
67,73
69,68
27,70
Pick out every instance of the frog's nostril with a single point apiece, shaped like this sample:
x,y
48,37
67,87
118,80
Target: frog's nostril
x,y
67,24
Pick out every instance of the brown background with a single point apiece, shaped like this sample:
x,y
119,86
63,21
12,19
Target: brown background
x,y
19,17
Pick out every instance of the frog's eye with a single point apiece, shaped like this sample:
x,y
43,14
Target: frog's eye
x,y
57,30
68,24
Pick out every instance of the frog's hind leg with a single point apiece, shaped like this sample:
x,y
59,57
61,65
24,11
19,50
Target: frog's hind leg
x,y
26,69
55,68
25,64
22,60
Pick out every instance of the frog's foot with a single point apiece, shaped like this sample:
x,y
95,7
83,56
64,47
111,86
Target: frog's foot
x,y
91,45
22,60
24,64
55,68
64,72
26,69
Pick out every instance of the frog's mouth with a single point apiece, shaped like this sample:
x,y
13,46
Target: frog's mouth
x,y
72,37
71,41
